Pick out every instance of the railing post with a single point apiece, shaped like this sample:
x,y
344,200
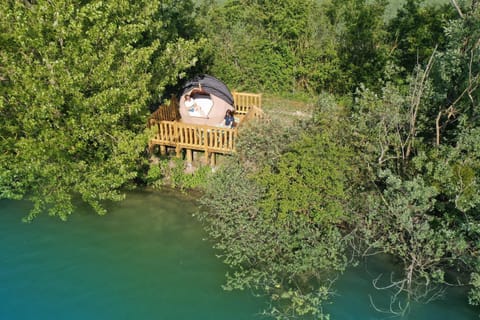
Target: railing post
x,y
189,156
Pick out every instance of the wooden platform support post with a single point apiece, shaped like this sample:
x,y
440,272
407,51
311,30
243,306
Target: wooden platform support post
x,y
150,147
189,156
163,150
213,159
207,157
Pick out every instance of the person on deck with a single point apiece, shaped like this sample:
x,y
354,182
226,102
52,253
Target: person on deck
x,y
189,103
229,120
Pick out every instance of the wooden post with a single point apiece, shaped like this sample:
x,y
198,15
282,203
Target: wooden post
x,y
163,150
189,155
213,159
150,147
206,157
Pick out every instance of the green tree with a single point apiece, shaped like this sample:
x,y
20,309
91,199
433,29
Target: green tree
x,y
280,226
416,31
76,78
360,42
456,79
418,201
454,172
401,220
274,46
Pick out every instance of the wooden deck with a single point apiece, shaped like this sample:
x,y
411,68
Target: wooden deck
x,y
169,132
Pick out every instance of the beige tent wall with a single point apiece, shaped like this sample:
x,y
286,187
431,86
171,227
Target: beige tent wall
x,y
214,117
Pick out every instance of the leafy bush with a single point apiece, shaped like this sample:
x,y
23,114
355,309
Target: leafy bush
x,y
293,261
277,215
262,142
174,173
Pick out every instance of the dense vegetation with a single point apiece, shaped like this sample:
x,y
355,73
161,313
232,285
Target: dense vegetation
x,y
75,80
387,165
389,162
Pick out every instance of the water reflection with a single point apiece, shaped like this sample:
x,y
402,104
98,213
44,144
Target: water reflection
x,y
356,298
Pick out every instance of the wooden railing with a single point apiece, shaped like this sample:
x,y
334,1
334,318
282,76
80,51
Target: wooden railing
x,y
191,136
194,137
167,112
169,132
245,101
253,113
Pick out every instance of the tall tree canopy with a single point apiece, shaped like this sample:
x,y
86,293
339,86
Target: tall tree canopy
x,y
416,30
421,143
360,41
275,46
75,80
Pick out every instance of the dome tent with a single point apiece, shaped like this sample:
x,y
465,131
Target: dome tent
x,y
211,98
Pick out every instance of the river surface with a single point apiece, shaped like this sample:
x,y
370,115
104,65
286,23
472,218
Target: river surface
x,y
148,259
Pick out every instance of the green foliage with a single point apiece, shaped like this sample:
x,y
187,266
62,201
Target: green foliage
x,y
308,182
402,221
395,5
154,176
279,221
381,126
272,46
416,30
75,82
456,77
419,201
474,297
411,196
454,171
396,168
173,173
360,42
262,142
294,260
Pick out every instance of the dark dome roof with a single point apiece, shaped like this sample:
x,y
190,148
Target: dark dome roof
x,y
211,85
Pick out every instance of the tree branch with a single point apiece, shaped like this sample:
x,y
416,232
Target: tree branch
x,y
455,4
417,95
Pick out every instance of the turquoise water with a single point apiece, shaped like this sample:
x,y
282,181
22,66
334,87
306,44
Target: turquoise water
x,y
147,259
144,260
354,295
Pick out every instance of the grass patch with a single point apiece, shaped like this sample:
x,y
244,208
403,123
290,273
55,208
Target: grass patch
x,y
286,110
